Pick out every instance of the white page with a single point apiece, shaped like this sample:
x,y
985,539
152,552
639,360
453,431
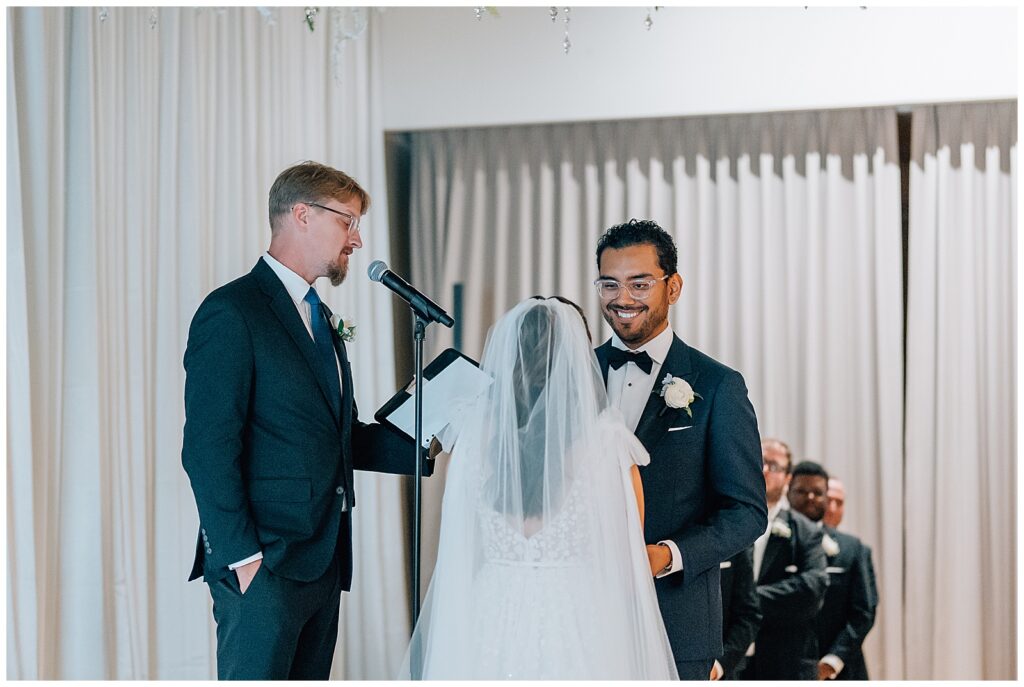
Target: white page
x,y
445,397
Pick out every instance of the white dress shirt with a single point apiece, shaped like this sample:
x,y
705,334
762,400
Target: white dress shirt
x,y
297,288
629,389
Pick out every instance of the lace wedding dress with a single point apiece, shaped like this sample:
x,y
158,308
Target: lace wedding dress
x,y
541,571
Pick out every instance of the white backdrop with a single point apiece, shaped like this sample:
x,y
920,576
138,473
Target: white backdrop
x,y
139,161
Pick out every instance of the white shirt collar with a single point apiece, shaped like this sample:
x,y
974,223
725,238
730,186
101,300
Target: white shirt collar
x,y
296,286
657,347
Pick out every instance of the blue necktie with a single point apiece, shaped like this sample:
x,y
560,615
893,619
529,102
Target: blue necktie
x,y
324,346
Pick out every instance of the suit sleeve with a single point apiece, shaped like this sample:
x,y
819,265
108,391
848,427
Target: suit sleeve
x,y
733,452
744,613
377,448
861,616
218,382
799,596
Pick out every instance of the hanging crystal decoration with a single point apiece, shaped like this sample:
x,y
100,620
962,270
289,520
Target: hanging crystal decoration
x,y
479,12
311,13
648,22
566,44
104,13
553,11
153,17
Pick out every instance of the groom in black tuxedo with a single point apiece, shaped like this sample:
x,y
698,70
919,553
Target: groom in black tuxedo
x,y
703,490
272,435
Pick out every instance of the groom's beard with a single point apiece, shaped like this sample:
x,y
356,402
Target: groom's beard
x,y
648,322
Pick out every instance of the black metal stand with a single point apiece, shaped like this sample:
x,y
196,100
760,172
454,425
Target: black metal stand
x,y
418,335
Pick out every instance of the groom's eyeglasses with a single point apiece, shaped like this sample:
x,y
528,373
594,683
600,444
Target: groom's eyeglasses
x,y
350,220
639,289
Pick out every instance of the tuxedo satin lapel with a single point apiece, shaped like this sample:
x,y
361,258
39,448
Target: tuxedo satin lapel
x,y
284,308
657,417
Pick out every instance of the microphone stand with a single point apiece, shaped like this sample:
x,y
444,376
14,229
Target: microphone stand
x,y
416,648
418,335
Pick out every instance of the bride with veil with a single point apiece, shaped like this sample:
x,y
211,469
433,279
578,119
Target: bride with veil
x,y
541,570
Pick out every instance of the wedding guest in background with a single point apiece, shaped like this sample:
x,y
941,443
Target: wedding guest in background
x,y
836,506
850,602
789,565
741,614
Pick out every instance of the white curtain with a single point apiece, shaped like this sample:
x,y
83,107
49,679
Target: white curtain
x,y
961,442
141,147
789,234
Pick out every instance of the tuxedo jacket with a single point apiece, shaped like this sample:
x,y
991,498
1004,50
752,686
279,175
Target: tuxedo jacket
x,y
850,602
703,489
741,612
790,588
269,457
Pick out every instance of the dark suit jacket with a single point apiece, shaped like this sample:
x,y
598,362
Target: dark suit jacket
x,y
703,489
269,458
849,609
741,612
791,587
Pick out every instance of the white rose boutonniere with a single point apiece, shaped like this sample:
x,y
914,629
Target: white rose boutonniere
x,y
830,545
346,328
677,393
781,529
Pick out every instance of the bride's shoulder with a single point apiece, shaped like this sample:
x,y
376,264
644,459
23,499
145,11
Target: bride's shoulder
x,y
616,437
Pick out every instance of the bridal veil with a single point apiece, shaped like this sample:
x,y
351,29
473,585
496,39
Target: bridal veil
x,y
541,570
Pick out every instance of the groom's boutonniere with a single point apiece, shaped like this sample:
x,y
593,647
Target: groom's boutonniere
x,y
830,545
781,529
346,328
677,393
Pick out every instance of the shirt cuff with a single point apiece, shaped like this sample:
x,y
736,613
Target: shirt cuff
x,y
677,559
245,561
835,662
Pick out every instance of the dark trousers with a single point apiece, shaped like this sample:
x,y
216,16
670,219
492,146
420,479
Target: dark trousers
x,y
695,670
279,629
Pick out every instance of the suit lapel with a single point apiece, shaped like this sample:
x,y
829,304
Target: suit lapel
x,y
284,308
346,367
657,417
775,546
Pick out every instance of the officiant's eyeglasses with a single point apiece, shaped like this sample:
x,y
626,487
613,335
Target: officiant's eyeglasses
x,y
639,289
351,220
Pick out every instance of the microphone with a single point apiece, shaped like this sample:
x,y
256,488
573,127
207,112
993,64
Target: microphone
x,y
424,307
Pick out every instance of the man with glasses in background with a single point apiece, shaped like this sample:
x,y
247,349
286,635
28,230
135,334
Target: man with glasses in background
x,y
848,613
789,566
272,435
703,491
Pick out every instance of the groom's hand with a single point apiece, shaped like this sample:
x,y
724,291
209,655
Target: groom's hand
x,y
246,573
659,557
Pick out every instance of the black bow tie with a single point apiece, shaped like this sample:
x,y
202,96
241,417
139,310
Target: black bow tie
x,y
618,357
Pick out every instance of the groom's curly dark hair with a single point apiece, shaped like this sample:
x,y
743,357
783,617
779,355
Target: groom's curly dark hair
x,y
638,232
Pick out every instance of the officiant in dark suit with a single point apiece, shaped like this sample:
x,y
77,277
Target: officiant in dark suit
x,y
272,436
703,491
848,612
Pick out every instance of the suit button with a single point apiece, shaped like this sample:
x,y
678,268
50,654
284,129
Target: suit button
x,y
209,550
204,533
339,491
205,540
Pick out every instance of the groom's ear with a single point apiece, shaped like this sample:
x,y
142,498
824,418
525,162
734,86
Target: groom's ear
x,y
675,287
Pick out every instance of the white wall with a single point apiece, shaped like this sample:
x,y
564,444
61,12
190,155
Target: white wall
x,y
443,68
